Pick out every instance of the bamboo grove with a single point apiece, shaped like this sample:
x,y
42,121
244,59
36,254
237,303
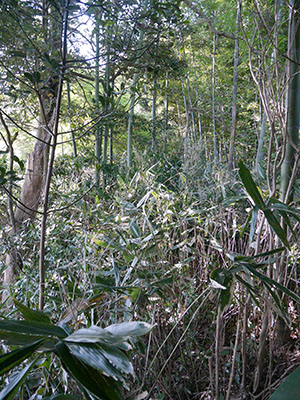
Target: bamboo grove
x,y
149,197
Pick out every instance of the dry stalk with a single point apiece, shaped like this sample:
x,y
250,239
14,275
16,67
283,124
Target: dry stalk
x,y
217,351
261,349
233,358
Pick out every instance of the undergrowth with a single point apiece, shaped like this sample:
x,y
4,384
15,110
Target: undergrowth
x,y
145,248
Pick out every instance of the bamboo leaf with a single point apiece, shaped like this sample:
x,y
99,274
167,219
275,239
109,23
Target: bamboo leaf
x,y
102,387
28,329
126,329
91,355
273,283
10,360
117,358
31,315
254,193
275,225
289,389
135,229
16,382
250,185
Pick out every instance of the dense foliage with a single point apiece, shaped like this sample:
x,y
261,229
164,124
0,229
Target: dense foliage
x,y
149,196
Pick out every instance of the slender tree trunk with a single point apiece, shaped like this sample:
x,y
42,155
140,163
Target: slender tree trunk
x,y
197,101
234,91
260,146
132,102
289,165
70,120
166,104
191,109
52,158
293,113
98,133
37,161
153,118
107,95
213,84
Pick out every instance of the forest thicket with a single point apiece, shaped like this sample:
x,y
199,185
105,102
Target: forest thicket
x,y
149,199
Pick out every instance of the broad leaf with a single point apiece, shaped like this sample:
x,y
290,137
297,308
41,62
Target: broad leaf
x,y
91,355
273,283
126,329
275,225
112,335
14,384
102,387
250,185
94,334
10,360
289,389
30,328
222,279
254,193
117,358
32,315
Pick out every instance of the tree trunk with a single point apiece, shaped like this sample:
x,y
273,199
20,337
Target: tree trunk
x,y
213,85
132,103
166,104
37,161
234,91
292,140
153,118
98,133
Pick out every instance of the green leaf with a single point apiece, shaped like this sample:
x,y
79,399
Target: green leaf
x,y
29,77
112,335
17,53
31,315
14,384
94,334
250,185
250,290
239,257
275,225
20,162
91,355
135,229
280,308
289,389
24,332
103,387
273,283
10,360
61,396
246,224
117,358
254,193
222,279
125,329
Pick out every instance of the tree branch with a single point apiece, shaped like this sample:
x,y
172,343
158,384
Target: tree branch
x,y
201,14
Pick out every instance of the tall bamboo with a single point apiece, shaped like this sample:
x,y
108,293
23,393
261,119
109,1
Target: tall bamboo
x,y
98,133
213,85
293,111
234,91
132,102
